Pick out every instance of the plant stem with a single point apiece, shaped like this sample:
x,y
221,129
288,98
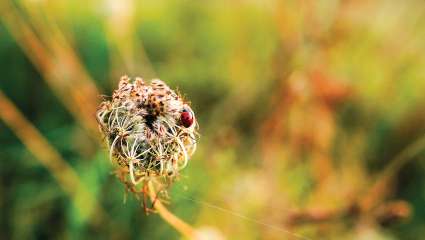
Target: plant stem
x,y
181,226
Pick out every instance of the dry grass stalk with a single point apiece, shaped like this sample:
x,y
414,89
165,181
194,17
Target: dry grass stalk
x,y
51,159
47,48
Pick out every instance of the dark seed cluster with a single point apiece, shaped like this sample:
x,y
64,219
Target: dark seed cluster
x,y
149,129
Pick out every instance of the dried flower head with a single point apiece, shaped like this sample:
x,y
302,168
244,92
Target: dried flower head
x,y
150,131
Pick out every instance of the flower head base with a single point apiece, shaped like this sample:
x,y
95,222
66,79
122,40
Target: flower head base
x,y
149,129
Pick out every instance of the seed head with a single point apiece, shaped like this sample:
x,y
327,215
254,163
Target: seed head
x,y
149,129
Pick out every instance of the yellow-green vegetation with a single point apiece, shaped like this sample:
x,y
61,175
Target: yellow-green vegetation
x,y
312,118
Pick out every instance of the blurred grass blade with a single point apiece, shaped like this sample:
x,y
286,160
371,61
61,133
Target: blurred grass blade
x,y
51,159
128,54
380,189
57,62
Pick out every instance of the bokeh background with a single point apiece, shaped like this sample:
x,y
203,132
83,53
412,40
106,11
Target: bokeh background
x,y
311,112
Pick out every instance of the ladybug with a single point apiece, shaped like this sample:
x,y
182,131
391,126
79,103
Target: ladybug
x,y
186,118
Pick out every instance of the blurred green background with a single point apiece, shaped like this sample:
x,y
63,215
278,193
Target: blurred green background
x,y
311,116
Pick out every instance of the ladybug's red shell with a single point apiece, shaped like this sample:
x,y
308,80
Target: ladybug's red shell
x,y
186,118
